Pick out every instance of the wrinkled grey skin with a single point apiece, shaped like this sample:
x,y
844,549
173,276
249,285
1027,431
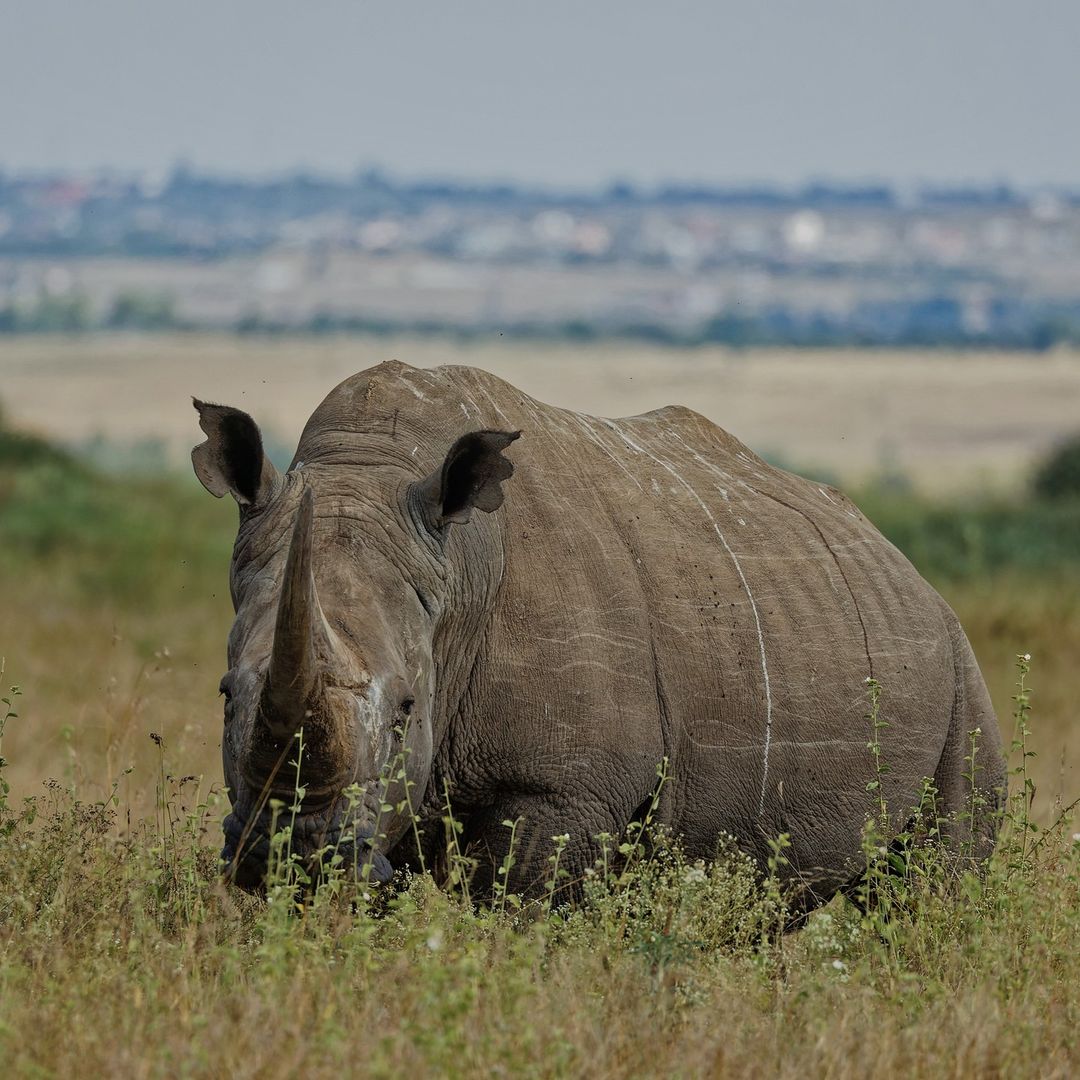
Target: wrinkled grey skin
x,y
642,589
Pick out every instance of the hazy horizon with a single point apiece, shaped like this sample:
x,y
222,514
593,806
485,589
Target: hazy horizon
x,y
560,96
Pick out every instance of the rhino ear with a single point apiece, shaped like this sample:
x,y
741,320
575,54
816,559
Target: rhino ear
x,y
231,461
470,477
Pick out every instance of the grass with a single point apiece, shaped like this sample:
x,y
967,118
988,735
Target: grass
x,y
122,953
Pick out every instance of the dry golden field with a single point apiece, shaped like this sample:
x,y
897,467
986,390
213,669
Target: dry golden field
x,y
949,420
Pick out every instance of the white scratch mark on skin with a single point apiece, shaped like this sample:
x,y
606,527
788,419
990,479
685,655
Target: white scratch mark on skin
x,y
464,410
412,389
476,408
369,709
746,587
825,493
863,541
543,422
505,419
638,449
795,744
606,668
619,640
590,433
414,449
712,467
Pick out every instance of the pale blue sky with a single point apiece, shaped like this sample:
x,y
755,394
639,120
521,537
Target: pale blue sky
x,y
554,92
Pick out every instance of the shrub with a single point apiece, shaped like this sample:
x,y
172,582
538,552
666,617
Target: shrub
x,y
1058,476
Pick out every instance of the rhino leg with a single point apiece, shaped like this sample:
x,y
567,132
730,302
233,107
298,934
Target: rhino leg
x,y
970,794
539,821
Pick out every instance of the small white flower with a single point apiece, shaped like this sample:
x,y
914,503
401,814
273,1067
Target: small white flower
x,y
694,875
839,965
1027,657
435,940
1076,838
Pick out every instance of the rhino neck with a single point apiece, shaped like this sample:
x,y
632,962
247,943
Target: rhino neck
x,y
476,572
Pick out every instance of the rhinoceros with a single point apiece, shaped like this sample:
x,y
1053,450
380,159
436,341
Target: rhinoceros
x,y
646,590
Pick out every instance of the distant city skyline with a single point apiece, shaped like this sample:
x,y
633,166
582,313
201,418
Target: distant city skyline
x,y
558,94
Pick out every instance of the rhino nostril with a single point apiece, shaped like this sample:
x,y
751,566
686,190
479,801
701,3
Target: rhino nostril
x,y
407,705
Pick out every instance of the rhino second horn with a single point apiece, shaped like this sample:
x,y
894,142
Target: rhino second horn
x,y
292,681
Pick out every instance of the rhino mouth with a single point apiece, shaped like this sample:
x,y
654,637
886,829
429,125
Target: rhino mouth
x,y
322,842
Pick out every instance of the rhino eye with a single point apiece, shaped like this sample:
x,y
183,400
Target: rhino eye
x,y
225,688
407,705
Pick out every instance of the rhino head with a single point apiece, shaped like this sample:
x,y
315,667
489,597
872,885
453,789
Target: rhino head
x,y
342,586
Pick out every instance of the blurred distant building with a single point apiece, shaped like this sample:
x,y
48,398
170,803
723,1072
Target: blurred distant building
x,y
824,264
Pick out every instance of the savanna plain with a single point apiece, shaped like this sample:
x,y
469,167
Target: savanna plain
x,y
123,953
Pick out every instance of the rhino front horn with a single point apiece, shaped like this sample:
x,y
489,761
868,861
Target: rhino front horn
x,y
292,682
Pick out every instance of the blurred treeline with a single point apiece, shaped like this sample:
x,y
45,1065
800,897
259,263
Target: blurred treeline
x,y
927,322
73,313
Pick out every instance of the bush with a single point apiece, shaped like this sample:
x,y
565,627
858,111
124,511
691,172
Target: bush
x,y
126,539
142,311
1058,477
951,541
20,449
49,314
